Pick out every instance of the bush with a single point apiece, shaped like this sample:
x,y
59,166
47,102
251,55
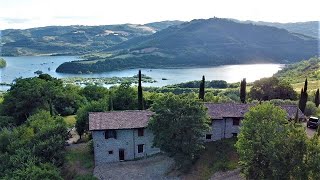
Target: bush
x,y
311,109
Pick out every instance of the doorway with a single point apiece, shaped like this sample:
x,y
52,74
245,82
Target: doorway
x,y
121,154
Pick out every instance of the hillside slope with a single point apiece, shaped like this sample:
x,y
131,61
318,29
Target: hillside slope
x,y
72,40
202,43
299,71
310,28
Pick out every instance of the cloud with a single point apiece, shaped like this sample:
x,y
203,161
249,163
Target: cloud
x,y
15,20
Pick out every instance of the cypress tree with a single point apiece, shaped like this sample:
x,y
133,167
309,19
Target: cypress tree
x,y
140,96
201,90
243,85
305,85
110,101
316,98
303,97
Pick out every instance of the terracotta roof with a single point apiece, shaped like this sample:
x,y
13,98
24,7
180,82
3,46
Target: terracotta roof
x,y
219,111
119,119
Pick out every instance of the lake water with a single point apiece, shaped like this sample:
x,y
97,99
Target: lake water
x,y
26,66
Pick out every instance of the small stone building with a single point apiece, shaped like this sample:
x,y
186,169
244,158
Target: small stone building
x,y
226,118
121,135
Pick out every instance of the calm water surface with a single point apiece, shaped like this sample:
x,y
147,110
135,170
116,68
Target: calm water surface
x,y
26,66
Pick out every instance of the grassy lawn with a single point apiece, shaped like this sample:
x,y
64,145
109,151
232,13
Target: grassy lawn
x,y
218,156
70,120
79,162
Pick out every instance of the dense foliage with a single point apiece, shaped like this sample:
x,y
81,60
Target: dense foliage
x,y
33,150
178,126
28,96
272,88
269,147
220,84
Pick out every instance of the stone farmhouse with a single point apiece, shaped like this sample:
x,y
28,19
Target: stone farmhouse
x,y
124,135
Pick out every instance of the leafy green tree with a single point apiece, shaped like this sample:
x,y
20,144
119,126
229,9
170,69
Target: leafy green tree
x,y
317,98
271,88
36,172
313,157
94,92
310,109
124,97
269,146
50,136
179,125
30,95
140,95
201,90
243,85
82,123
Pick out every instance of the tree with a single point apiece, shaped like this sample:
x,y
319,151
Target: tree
x,y
271,88
82,123
124,97
303,97
140,96
310,109
94,92
179,125
269,146
27,96
201,90
243,85
317,98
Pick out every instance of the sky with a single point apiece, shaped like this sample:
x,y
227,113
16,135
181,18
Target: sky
x,y
21,14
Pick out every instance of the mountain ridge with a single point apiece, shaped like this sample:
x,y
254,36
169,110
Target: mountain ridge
x,y
201,42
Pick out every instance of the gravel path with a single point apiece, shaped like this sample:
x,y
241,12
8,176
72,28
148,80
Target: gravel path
x,y
154,167
228,175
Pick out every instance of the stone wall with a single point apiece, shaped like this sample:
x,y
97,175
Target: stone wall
x,y
127,139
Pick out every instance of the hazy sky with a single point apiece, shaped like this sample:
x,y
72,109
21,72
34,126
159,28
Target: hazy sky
x,y
35,13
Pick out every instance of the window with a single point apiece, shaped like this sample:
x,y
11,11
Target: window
x,y
208,136
234,134
110,134
236,121
140,132
110,152
140,148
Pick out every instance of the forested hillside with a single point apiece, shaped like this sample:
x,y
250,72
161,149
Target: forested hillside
x,y
72,40
202,43
299,71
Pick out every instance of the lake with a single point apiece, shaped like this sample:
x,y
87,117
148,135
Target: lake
x,y
26,66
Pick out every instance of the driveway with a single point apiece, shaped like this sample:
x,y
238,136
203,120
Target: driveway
x,y
155,167
310,132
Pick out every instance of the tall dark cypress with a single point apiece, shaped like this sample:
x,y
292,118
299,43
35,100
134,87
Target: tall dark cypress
x,y
201,90
303,97
316,98
305,85
243,85
140,96
110,101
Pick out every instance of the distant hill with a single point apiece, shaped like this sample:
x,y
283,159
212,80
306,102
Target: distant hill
x,y
310,28
299,71
202,43
73,40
